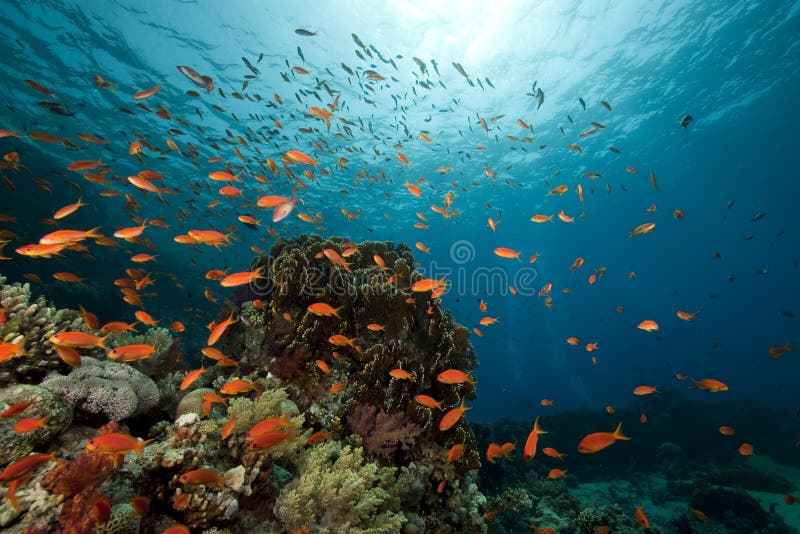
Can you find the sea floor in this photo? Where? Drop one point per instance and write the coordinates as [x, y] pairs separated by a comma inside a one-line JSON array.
[[649, 494]]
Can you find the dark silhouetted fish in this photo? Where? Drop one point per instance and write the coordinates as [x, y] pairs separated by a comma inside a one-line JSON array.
[[686, 120]]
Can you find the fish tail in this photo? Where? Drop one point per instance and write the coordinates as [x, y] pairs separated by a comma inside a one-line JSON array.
[[139, 447], [102, 342], [20, 345], [618, 433], [94, 233]]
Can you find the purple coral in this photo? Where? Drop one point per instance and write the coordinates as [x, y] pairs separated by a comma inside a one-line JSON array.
[[382, 433]]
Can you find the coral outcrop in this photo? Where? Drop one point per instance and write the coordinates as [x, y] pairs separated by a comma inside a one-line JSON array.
[[113, 390]]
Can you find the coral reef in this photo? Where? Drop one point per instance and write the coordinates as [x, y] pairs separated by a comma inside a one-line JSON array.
[[338, 490], [112, 390], [737, 510], [36, 321], [377, 461], [383, 433], [46, 404]]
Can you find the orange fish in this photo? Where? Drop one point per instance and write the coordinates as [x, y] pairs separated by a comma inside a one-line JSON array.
[[710, 384], [336, 388], [80, 340], [533, 440], [16, 409], [686, 316], [66, 237], [600, 440], [486, 321], [427, 284], [25, 466], [777, 352], [118, 326], [455, 376], [234, 387], [455, 452], [68, 210], [116, 443], [453, 416], [141, 95], [29, 424], [13, 349], [564, 217], [428, 402], [131, 353], [642, 229], [552, 453], [219, 330], [202, 477], [421, 246], [300, 157], [745, 449], [643, 418], [335, 258], [640, 518], [342, 341], [413, 189], [648, 326], [242, 278], [590, 347], [546, 402], [727, 431], [324, 310], [645, 390], [227, 429], [191, 376], [574, 341], [557, 473], [401, 374], [541, 218], [495, 450], [506, 253]]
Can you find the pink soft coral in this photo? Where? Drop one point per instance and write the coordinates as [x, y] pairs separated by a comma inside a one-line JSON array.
[[383, 434]]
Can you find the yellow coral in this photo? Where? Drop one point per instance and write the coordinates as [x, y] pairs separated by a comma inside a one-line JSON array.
[[339, 492]]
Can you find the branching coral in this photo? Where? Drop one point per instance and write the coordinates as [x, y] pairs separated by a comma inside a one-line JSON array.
[[339, 491], [98, 387]]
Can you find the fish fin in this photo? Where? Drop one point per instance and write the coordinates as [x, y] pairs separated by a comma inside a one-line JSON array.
[[618, 433]]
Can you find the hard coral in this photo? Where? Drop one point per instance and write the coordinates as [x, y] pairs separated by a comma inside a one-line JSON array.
[[382, 433], [36, 321], [109, 389]]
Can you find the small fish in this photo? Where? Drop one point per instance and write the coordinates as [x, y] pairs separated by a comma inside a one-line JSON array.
[[250, 66], [686, 120], [305, 33], [600, 440]]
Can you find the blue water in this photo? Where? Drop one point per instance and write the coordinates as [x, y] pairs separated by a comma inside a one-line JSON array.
[[732, 65]]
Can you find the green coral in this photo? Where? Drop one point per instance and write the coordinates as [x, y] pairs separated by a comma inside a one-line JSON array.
[[339, 491], [273, 402]]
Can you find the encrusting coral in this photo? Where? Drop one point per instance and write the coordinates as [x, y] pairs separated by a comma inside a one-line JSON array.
[[113, 390]]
